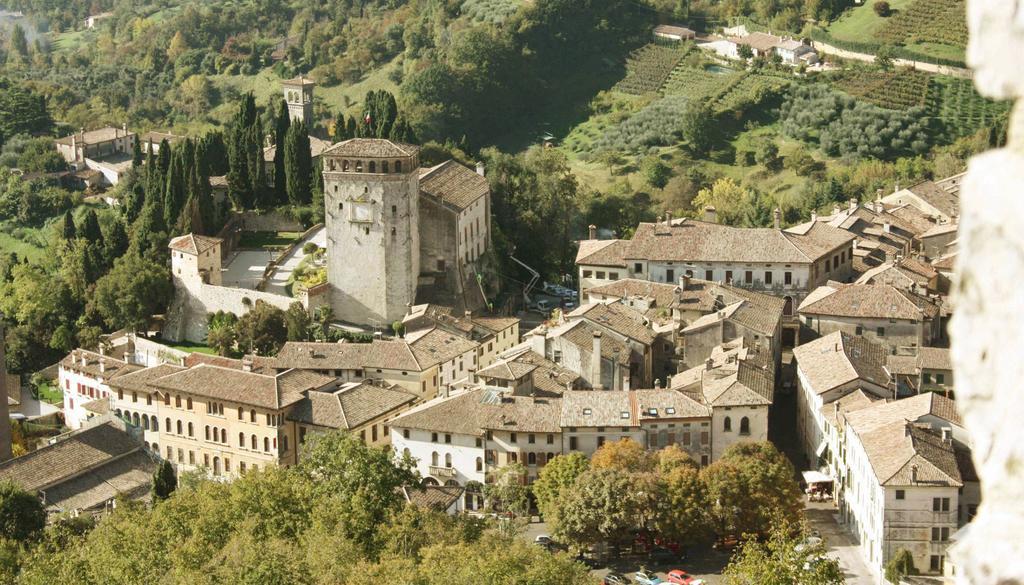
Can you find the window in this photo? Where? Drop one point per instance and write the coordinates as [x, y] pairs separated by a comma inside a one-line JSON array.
[[600, 442], [223, 436], [551, 439], [373, 433], [284, 443], [252, 415], [935, 564], [767, 277], [748, 277], [434, 459], [433, 437], [926, 378], [513, 438], [600, 274], [901, 494], [727, 424], [154, 423], [709, 275], [188, 403], [787, 278], [266, 444], [859, 330], [302, 435], [744, 426], [588, 273], [479, 464], [241, 439], [638, 267], [447, 439], [167, 424], [170, 453], [190, 433], [191, 457], [253, 442], [940, 534], [135, 396], [705, 437], [177, 401], [940, 378], [670, 275], [405, 433], [940, 504], [448, 460], [880, 331], [206, 432], [178, 426], [828, 265], [531, 459], [398, 166], [728, 276], [572, 443], [240, 413], [531, 438]]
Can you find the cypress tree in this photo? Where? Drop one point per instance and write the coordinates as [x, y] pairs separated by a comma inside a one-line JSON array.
[[174, 191], [257, 167], [165, 481], [240, 170], [136, 153], [69, 232], [318, 190], [298, 165], [340, 128], [351, 128], [203, 197], [282, 124], [115, 241], [90, 228]]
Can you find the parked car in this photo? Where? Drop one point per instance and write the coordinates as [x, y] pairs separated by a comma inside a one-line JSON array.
[[545, 541], [680, 577], [644, 578], [589, 562], [615, 579]]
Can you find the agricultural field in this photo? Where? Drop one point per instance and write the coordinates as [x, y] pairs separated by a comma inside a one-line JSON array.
[[654, 126], [748, 89], [492, 11], [927, 21], [699, 84], [896, 90], [648, 67], [960, 108], [861, 23]]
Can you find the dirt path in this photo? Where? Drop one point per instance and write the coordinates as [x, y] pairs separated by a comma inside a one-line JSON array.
[[919, 65]]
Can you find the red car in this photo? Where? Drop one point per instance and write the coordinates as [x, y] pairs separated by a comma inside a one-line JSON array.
[[680, 577]]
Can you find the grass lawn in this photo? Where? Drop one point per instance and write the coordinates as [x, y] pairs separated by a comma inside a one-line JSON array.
[[49, 393], [23, 249], [937, 50], [267, 240], [189, 347], [861, 23]]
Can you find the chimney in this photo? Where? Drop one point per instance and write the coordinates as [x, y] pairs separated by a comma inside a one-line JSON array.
[[777, 217], [896, 188], [913, 474], [657, 384], [539, 342], [468, 314], [592, 232], [947, 435], [102, 349], [124, 128], [709, 364], [247, 363], [710, 214], [595, 362], [887, 227], [814, 216], [103, 365], [853, 204], [481, 169], [668, 217], [684, 283], [446, 390]]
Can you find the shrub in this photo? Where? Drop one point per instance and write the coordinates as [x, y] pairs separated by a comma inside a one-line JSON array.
[[309, 248], [882, 8]]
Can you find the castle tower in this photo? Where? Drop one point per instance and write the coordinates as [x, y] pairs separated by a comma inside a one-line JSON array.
[[298, 94], [371, 195]]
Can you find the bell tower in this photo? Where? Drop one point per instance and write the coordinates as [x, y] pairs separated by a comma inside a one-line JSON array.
[[298, 94], [371, 199]]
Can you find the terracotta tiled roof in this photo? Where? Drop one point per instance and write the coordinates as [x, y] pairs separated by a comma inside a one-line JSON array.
[[663, 294], [300, 80], [688, 240], [874, 301], [129, 477], [945, 201], [453, 184], [602, 253], [618, 318], [653, 405], [474, 411], [87, 362], [94, 136], [897, 449], [934, 358], [237, 386], [581, 334], [912, 409], [139, 380], [667, 29], [72, 455], [392, 355], [839, 358], [947, 262], [193, 244], [856, 400], [350, 406], [506, 370], [597, 408], [371, 148], [549, 378], [433, 497], [439, 346]]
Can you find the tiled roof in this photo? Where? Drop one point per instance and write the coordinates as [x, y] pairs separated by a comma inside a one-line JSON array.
[[72, 455], [940, 229], [947, 262], [474, 411], [259, 364], [193, 244], [602, 253], [598, 408], [237, 386], [158, 137], [853, 401], [549, 378], [945, 201], [839, 358], [433, 497], [139, 380], [912, 409], [581, 334], [308, 355], [934, 358], [94, 136], [873, 301], [453, 184], [350, 406], [316, 147], [721, 387], [371, 148], [901, 365], [653, 405], [688, 240], [668, 29], [618, 318], [130, 476], [87, 362], [439, 346], [506, 370], [899, 448], [663, 294], [300, 80]]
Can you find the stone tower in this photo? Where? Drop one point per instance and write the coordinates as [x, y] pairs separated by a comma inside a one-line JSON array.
[[371, 195], [298, 94]]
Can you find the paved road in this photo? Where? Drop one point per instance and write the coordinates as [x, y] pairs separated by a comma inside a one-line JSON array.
[[840, 543], [919, 65]]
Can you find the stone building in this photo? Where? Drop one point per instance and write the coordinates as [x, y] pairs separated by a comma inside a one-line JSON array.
[[895, 318], [298, 95]]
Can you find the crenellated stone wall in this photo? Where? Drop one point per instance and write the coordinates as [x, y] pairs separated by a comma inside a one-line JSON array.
[[988, 327]]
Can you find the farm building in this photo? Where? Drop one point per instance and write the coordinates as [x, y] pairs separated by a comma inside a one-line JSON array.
[[673, 33]]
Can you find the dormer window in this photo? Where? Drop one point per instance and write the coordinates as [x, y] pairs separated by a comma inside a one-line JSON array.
[[625, 413], [670, 410], [587, 412], [650, 411]]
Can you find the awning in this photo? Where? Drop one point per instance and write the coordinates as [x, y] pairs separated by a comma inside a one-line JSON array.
[[816, 477], [821, 448]]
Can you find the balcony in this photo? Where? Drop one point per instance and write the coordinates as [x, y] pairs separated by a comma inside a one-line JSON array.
[[442, 471]]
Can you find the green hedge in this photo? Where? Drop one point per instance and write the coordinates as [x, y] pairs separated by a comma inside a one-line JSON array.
[[900, 52]]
